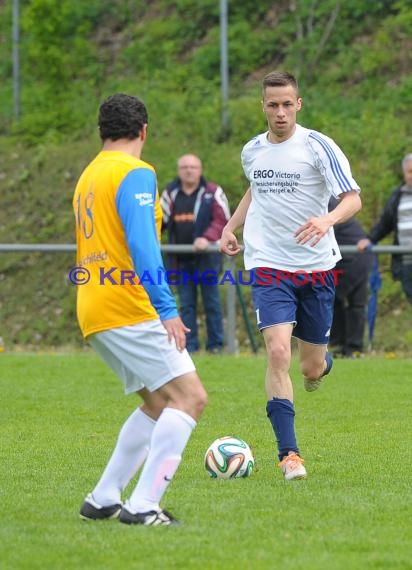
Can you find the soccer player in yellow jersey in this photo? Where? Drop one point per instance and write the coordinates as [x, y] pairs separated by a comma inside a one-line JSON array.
[[128, 315]]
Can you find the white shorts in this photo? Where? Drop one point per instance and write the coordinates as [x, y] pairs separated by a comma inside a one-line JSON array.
[[141, 355]]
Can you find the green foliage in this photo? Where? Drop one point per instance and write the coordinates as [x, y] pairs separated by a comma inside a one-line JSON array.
[[60, 63], [243, 56], [57, 47], [316, 32], [6, 46], [392, 45], [157, 43]]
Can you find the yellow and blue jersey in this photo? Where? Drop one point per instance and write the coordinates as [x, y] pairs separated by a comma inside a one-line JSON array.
[[118, 224]]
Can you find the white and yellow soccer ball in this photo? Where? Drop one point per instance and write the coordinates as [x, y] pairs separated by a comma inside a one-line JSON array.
[[228, 458]]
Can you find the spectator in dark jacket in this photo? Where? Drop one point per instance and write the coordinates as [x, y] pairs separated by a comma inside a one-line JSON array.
[[195, 212], [351, 293], [396, 218]]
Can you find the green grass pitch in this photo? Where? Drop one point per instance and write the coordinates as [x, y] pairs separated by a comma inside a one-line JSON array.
[[60, 416]]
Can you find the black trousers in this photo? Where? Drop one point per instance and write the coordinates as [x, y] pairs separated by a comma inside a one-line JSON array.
[[348, 326]]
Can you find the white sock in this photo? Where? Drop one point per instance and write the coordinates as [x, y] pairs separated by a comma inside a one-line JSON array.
[[129, 454], [170, 436]]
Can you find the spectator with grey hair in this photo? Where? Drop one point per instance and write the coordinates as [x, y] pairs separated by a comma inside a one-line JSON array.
[[396, 218], [195, 211]]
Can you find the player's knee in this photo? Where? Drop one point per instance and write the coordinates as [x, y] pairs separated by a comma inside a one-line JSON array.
[[278, 354], [201, 400], [193, 401], [196, 401], [192, 406], [312, 370]]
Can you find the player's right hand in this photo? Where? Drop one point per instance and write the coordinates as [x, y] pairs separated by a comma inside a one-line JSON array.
[[176, 330], [228, 243]]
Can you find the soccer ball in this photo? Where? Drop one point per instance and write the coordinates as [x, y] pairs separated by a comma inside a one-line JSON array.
[[229, 457]]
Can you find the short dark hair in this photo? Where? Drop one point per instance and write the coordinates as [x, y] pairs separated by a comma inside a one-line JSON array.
[[122, 117], [279, 79]]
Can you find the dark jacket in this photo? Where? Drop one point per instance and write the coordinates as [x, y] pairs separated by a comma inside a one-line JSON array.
[[387, 223], [211, 212], [349, 232], [355, 266]]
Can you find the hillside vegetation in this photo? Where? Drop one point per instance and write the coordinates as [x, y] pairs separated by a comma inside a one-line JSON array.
[[354, 64]]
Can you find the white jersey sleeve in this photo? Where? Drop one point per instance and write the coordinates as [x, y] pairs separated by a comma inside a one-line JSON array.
[[332, 164]]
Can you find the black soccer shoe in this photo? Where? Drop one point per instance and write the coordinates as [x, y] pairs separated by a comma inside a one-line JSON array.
[[92, 511], [150, 518]]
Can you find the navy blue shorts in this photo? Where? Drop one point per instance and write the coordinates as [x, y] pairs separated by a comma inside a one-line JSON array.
[[302, 299]]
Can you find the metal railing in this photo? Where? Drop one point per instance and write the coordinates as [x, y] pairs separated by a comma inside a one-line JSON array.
[[169, 248]]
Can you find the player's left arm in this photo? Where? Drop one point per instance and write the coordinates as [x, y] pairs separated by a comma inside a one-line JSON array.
[[336, 172], [135, 201], [349, 204], [315, 228]]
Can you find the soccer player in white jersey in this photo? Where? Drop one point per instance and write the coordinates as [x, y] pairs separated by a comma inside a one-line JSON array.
[[291, 248]]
